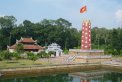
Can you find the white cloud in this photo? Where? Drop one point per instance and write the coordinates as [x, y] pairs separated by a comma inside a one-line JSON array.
[[119, 15]]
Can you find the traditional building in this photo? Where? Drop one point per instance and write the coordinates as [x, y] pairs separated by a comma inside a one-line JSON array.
[[28, 44], [55, 48]]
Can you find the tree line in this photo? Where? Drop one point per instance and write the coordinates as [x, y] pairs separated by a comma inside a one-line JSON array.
[[45, 32], [60, 31]]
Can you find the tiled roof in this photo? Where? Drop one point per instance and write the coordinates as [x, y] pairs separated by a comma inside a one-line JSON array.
[[26, 44], [27, 40], [32, 47], [27, 47], [12, 47]]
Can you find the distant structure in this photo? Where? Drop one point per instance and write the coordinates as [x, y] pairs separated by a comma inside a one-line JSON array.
[[86, 54], [29, 45], [86, 35], [55, 48]]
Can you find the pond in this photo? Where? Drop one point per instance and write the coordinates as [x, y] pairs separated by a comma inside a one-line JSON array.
[[86, 76]]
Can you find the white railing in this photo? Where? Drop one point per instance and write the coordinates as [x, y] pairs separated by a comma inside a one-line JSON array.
[[94, 57], [78, 50], [71, 58]]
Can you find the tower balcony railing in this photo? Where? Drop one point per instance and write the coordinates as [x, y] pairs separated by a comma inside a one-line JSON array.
[[79, 50], [94, 57]]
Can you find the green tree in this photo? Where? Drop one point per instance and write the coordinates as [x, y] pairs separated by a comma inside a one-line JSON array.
[[115, 41], [7, 23], [19, 48]]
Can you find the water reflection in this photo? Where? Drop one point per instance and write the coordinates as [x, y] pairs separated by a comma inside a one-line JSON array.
[[49, 78], [96, 76], [89, 76]]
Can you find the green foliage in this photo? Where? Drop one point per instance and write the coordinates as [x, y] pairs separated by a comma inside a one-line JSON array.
[[109, 51], [59, 31], [51, 53], [32, 56], [6, 54], [47, 55], [15, 55], [43, 54], [115, 52], [7, 23], [121, 52], [66, 51], [108, 39], [1, 56], [19, 48], [40, 55]]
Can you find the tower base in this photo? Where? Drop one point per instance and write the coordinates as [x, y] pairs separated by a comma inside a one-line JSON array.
[[88, 56]]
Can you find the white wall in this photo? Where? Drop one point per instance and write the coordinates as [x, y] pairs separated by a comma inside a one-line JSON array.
[[11, 50]]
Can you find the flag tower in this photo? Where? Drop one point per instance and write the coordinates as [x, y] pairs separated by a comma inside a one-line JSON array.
[[86, 54], [86, 35]]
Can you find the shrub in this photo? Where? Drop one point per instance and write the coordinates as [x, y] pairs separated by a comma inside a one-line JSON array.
[[32, 56], [66, 51], [40, 54], [47, 55], [7, 54], [115, 52], [120, 52], [51, 53], [1, 56], [109, 51], [15, 55], [43, 54]]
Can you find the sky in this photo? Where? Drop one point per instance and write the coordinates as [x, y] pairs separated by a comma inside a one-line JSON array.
[[101, 13]]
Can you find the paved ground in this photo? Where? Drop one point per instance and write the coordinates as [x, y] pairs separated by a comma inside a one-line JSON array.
[[64, 60], [57, 60], [116, 61]]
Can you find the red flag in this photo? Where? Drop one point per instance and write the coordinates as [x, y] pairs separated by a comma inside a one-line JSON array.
[[83, 9]]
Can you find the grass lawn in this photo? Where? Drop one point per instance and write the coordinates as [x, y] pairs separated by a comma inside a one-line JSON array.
[[30, 63], [20, 63]]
